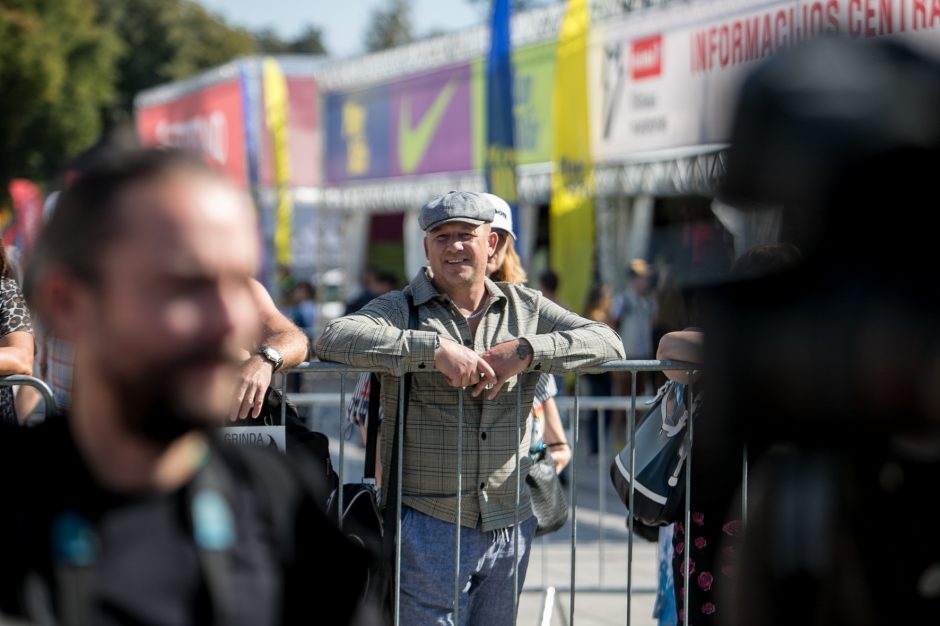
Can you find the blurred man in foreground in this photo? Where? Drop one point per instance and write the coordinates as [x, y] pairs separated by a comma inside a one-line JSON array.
[[128, 510]]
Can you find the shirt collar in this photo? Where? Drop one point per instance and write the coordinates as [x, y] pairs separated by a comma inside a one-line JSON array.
[[423, 290]]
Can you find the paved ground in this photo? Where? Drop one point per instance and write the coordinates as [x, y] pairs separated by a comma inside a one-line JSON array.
[[600, 549]]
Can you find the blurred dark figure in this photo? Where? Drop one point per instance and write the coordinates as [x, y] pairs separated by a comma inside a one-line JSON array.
[[385, 282], [829, 371], [368, 281], [548, 284], [301, 309], [634, 311], [597, 309]]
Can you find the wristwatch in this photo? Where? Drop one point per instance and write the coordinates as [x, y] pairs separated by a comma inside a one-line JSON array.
[[272, 356]]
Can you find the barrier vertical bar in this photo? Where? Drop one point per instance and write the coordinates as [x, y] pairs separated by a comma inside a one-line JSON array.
[[401, 463], [342, 449], [601, 455], [574, 496], [631, 426], [544, 561], [688, 510], [744, 487], [284, 400], [459, 505], [515, 526]]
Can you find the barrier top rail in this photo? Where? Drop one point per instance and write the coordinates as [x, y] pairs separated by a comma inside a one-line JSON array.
[[324, 367], [30, 381]]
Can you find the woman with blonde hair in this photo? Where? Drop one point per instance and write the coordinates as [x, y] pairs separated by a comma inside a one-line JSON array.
[[505, 266]]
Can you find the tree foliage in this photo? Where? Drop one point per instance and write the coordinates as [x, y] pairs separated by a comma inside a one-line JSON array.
[[166, 40], [389, 26], [308, 41], [57, 72], [69, 69]]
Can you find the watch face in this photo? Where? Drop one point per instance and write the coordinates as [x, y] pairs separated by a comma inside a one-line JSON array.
[[272, 355]]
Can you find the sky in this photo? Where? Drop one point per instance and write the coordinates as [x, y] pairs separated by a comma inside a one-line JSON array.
[[344, 22]]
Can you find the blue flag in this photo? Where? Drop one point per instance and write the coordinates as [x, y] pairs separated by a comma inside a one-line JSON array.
[[500, 158]]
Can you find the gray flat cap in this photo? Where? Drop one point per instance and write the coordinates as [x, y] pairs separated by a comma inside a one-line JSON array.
[[456, 206]]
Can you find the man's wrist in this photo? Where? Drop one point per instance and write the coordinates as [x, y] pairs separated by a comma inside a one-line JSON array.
[[260, 358]]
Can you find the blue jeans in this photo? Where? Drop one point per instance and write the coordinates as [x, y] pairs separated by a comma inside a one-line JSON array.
[[486, 572]]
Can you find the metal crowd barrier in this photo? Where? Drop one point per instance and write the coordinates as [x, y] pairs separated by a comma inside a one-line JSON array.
[[44, 390], [575, 404]]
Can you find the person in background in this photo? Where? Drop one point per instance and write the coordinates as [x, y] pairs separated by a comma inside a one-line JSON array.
[[369, 290], [506, 266], [633, 312], [548, 284], [597, 309], [303, 307], [385, 282]]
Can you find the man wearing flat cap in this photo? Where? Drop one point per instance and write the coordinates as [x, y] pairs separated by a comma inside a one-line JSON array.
[[485, 340]]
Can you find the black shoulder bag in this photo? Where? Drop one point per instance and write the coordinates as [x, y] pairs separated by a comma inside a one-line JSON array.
[[362, 519]]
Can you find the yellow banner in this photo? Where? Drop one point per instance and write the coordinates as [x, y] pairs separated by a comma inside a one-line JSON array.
[[276, 116], [571, 221]]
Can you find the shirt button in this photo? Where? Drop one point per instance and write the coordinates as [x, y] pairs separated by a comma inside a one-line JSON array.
[[468, 342], [483, 436], [482, 486]]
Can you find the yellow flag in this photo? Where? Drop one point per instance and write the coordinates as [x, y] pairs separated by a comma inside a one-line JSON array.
[[276, 117], [571, 215]]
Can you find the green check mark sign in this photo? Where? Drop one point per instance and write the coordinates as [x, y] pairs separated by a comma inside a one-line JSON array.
[[413, 142]]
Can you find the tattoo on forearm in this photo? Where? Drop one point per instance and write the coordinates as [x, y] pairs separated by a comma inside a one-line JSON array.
[[523, 351]]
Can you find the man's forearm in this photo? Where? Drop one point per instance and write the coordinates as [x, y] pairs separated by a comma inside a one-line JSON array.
[[566, 341], [564, 350], [376, 347]]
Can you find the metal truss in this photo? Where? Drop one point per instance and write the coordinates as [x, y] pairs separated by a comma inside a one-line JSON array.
[[696, 174], [398, 194]]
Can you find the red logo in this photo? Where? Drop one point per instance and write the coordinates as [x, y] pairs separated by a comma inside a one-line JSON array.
[[647, 57]]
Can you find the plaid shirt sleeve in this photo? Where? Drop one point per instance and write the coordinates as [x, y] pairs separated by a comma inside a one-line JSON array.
[[565, 341], [374, 338]]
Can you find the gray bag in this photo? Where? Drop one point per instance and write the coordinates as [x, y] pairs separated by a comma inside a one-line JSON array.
[[548, 496], [662, 446]]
